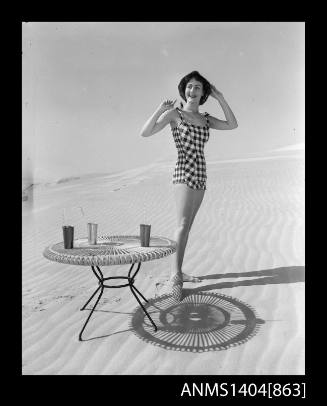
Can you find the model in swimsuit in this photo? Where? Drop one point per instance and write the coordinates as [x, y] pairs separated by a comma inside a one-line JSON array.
[[190, 130]]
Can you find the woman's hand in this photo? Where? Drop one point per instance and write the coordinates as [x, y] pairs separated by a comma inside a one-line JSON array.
[[216, 94], [158, 120], [166, 105]]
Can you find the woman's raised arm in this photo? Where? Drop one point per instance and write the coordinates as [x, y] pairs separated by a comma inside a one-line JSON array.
[[156, 124], [231, 121]]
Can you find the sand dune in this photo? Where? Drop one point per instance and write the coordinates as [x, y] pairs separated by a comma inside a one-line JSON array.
[[247, 245]]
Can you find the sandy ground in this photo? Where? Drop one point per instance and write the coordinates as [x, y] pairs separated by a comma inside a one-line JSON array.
[[246, 316]]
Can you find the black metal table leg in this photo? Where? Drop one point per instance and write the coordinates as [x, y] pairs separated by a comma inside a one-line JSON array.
[[83, 308], [149, 317], [91, 312], [130, 282]]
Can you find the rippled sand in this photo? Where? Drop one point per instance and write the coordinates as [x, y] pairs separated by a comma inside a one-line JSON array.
[[247, 245]]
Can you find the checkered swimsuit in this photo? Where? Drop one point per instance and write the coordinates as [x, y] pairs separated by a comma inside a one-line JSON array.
[[190, 167]]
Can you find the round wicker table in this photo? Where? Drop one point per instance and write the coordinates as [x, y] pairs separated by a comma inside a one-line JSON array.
[[111, 250]]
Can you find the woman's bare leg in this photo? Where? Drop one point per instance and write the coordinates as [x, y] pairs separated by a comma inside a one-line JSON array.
[[196, 205], [188, 202], [184, 204]]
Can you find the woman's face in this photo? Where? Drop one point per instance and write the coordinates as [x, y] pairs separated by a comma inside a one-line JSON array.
[[193, 91]]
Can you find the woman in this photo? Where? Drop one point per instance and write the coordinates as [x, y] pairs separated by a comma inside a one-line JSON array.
[[190, 130]]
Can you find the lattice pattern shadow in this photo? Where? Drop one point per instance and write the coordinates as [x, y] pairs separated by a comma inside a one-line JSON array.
[[200, 322]]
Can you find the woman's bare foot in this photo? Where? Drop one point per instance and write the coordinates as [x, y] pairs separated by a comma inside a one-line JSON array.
[[189, 278]]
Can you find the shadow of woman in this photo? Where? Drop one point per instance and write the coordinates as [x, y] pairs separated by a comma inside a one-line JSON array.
[[290, 274]]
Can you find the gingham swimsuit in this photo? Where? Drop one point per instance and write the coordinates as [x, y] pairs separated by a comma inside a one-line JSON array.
[[190, 167]]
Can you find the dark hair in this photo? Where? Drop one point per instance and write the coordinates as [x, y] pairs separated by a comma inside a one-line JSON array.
[[195, 75]]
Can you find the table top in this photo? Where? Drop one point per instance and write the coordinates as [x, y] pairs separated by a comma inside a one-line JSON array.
[[110, 250]]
